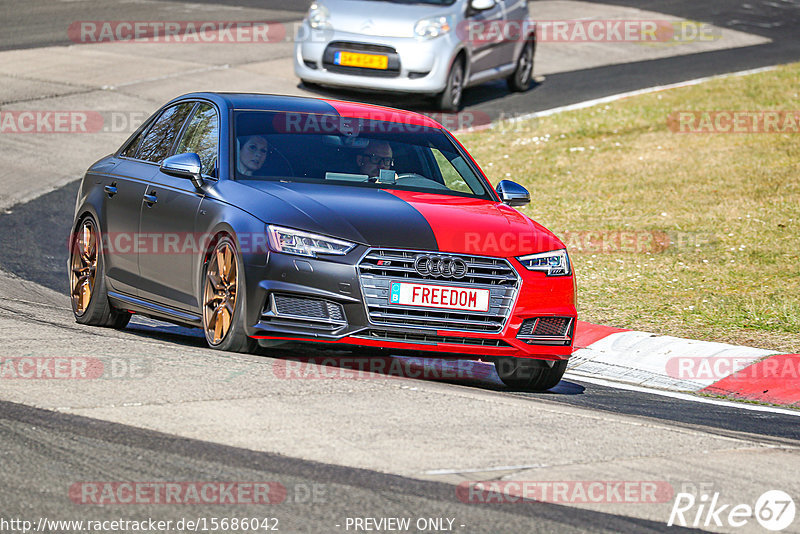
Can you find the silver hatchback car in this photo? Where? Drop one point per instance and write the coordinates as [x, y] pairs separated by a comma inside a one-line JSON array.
[[435, 47]]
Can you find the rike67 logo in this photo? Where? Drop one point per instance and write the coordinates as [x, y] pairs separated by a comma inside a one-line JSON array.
[[774, 510]]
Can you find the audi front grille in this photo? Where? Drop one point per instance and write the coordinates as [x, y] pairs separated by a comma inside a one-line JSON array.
[[380, 267]]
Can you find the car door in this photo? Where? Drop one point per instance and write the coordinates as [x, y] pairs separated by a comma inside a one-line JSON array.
[[168, 212], [518, 24], [123, 188], [487, 48]]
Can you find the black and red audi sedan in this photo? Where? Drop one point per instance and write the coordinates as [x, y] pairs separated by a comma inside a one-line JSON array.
[[269, 219]]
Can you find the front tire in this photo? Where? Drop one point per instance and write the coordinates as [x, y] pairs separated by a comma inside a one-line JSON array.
[[529, 375], [87, 279], [520, 80], [450, 98], [223, 299]]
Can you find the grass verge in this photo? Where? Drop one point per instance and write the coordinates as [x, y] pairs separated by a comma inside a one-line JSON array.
[[687, 234]]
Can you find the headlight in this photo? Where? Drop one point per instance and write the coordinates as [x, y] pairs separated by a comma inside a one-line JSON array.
[[432, 28], [555, 263], [319, 17], [296, 242]]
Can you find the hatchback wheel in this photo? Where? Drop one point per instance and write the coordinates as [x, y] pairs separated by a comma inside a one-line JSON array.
[[450, 98], [520, 80], [223, 300], [87, 281], [529, 375]]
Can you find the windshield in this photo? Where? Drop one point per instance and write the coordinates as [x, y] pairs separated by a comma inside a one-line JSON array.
[[302, 147]]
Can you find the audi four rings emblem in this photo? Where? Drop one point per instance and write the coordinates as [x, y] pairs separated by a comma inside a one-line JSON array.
[[439, 266]]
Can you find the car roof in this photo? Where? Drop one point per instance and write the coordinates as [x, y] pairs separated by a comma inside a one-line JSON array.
[[300, 104]]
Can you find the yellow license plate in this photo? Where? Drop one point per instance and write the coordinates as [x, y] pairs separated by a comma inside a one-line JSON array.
[[365, 61]]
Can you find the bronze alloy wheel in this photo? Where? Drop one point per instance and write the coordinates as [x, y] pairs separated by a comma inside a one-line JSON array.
[[84, 267], [219, 295]]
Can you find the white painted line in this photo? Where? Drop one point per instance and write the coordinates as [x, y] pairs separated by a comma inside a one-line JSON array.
[[613, 98], [681, 396], [656, 89], [485, 469]]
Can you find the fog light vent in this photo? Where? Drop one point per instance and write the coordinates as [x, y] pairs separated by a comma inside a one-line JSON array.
[[307, 308], [547, 330]]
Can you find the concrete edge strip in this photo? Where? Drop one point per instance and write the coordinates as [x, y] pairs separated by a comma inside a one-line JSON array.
[[614, 98], [678, 364]]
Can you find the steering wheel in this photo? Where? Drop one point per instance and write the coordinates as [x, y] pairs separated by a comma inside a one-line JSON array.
[[414, 179]]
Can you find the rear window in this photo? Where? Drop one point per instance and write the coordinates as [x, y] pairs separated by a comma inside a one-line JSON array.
[[357, 152]]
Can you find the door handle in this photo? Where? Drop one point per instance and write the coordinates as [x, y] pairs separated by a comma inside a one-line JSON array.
[[111, 190], [150, 199]]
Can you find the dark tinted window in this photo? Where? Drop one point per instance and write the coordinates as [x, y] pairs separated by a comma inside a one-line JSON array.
[[159, 139], [202, 138], [339, 151], [130, 150]]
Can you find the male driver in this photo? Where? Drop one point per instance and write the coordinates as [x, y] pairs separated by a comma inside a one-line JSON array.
[[376, 156]]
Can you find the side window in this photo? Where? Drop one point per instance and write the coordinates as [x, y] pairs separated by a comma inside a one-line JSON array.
[[202, 138], [130, 150], [452, 177], [159, 139]]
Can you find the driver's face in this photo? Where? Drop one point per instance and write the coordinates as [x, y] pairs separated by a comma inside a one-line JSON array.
[[375, 158], [253, 153]]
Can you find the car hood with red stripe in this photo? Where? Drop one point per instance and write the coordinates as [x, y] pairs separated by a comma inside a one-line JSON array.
[[397, 219], [466, 225]]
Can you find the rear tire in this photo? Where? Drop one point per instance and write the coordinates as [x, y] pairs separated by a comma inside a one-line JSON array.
[[450, 99], [529, 375], [87, 279], [520, 80], [223, 299]]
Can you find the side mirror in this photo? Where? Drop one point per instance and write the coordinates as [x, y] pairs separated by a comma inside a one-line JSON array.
[[482, 5], [512, 193], [186, 165]]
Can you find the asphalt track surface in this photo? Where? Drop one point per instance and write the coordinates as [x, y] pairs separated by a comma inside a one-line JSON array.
[[778, 20], [63, 449], [44, 224], [43, 452]]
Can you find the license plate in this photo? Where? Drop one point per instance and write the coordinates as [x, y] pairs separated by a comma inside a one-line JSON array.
[[365, 61], [427, 296]]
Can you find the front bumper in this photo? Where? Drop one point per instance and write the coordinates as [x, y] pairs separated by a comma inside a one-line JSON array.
[[423, 65], [334, 311]]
